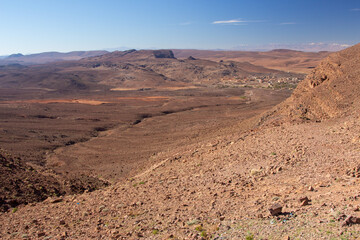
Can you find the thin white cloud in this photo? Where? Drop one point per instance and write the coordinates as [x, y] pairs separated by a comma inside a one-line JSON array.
[[288, 23], [236, 22], [329, 44], [355, 9], [228, 21]]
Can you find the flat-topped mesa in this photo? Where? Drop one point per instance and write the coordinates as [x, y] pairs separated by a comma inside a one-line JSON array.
[[163, 54], [331, 90]]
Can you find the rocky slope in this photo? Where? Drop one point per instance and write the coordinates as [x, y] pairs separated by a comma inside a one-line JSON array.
[[22, 183], [331, 90]]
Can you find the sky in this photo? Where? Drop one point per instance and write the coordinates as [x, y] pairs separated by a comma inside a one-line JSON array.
[[32, 26]]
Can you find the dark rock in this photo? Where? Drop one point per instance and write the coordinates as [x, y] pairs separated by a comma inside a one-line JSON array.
[[163, 54], [351, 220], [275, 209]]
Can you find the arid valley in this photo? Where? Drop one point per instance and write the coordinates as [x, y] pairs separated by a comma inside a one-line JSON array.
[[146, 144]]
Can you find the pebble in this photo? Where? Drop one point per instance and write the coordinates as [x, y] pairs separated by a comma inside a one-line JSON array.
[[304, 201], [25, 236]]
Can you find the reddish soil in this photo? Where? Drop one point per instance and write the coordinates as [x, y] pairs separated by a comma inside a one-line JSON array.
[[43, 101]]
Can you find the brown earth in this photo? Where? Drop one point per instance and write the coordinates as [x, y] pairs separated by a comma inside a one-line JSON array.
[[200, 166]]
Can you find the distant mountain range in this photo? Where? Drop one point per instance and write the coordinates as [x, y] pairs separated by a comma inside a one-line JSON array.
[[280, 59], [47, 57]]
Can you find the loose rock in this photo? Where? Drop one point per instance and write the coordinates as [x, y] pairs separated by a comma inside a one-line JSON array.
[[275, 209], [304, 201]]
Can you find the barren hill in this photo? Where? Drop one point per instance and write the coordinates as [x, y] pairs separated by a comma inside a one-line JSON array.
[[281, 59], [130, 67]]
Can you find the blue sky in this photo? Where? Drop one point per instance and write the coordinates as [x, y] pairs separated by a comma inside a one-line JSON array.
[[31, 26]]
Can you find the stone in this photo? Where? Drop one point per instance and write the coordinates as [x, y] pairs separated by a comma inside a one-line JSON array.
[[56, 200], [275, 209], [311, 189], [304, 201], [351, 220]]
